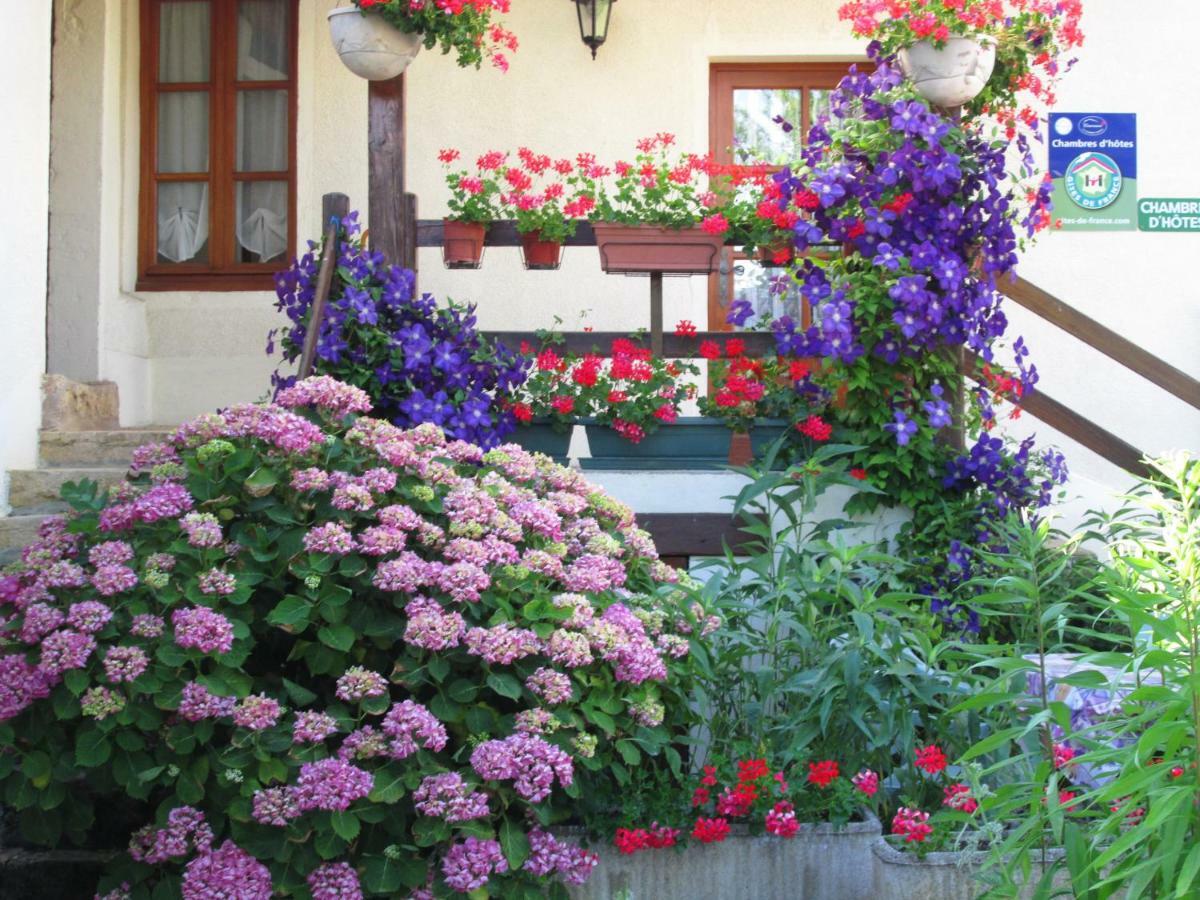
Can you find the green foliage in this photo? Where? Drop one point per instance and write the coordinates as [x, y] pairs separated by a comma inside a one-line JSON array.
[[301, 616], [822, 654]]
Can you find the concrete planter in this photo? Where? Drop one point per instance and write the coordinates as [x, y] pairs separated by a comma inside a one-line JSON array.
[[950, 75], [61, 874], [942, 876], [820, 863], [369, 46]]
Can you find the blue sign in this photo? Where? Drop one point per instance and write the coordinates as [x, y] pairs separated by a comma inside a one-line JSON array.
[[1093, 162]]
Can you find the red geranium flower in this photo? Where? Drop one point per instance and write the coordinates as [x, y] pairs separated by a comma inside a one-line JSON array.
[[710, 350], [685, 328], [752, 770], [823, 773], [931, 759], [860, 474], [710, 831], [816, 428]]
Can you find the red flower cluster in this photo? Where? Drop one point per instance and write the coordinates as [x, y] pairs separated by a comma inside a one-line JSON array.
[[931, 759], [913, 824], [823, 773], [866, 782], [710, 831], [656, 837], [816, 428], [781, 820], [958, 796]]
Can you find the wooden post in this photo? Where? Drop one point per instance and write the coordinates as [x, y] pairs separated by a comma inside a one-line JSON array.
[[656, 313], [334, 207], [385, 143]]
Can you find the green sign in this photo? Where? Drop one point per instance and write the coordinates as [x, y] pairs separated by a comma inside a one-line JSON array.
[[1168, 214]]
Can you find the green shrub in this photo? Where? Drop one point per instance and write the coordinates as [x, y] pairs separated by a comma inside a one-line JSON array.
[[315, 650]]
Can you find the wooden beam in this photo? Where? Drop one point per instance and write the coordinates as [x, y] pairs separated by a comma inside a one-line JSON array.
[[385, 145], [1107, 341], [1062, 418]]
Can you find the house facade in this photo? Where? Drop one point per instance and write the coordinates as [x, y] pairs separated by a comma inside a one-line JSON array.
[[164, 156]]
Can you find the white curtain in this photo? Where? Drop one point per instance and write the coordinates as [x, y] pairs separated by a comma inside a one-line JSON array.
[[262, 141], [184, 53], [261, 207]]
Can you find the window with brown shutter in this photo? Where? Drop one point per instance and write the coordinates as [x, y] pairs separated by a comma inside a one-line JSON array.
[[217, 210]]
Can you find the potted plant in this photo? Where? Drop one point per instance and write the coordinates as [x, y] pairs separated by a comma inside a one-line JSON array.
[[549, 403], [544, 199], [652, 217], [623, 400], [971, 52], [475, 202], [378, 39], [739, 820]]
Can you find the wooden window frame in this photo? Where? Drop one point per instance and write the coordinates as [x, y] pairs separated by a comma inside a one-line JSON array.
[[724, 79], [221, 272]]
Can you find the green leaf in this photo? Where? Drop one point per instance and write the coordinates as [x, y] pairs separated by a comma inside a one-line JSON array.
[[389, 786], [439, 668], [345, 825], [92, 747], [462, 691], [505, 685], [337, 637], [291, 614], [37, 768], [514, 843], [382, 875], [77, 681], [629, 752], [261, 483], [301, 696]]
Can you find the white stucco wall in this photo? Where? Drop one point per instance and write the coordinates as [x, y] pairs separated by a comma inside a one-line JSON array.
[[1141, 285], [205, 350], [24, 178]]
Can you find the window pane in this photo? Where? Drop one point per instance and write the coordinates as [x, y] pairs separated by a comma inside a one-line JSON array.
[[818, 104], [182, 220], [263, 40], [183, 131], [262, 226], [757, 137], [770, 290], [262, 121], [184, 40]]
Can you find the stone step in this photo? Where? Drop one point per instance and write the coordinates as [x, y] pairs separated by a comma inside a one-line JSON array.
[[15, 533], [39, 490], [96, 448]]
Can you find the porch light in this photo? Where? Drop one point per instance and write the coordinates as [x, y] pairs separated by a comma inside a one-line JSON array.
[[593, 21]]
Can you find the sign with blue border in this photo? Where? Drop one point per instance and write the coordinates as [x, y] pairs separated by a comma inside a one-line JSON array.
[[1093, 163]]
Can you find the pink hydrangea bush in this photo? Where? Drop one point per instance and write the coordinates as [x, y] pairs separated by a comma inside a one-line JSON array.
[[329, 657]]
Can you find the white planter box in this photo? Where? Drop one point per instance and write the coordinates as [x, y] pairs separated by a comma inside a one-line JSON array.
[[819, 863]]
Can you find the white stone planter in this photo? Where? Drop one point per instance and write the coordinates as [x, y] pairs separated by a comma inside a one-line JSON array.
[[952, 74], [819, 863], [943, 876], [370, 47]]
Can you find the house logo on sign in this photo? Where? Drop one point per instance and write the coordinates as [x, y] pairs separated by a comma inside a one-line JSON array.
[[1093, 180]]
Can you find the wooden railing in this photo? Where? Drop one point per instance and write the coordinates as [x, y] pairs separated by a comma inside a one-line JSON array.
[[702, 534]]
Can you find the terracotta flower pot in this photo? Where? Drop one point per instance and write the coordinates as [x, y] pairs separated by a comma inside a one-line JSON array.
[[462, 244], [950, 75], [639, 249], [540, 254], [767, 255]]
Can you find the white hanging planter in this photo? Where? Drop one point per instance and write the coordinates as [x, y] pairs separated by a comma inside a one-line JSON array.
[[369, 46], [952, 74]]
